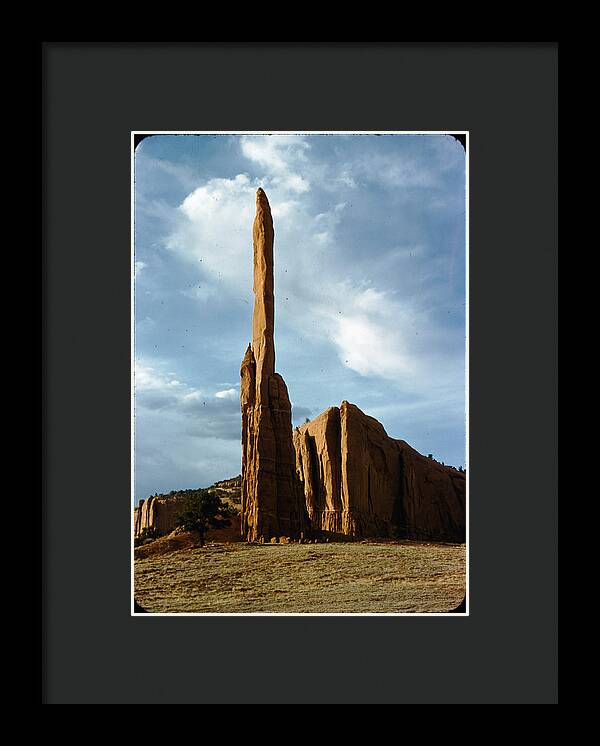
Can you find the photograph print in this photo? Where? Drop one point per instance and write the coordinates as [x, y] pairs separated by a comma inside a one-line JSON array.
[[299, 373]]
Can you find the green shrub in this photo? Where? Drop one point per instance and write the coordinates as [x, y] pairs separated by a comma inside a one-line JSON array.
[[203, 510]]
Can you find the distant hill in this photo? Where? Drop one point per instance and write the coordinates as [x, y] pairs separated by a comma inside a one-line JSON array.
[[156, 516]]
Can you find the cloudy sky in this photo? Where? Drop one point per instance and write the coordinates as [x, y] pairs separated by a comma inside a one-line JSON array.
[[369, 290]]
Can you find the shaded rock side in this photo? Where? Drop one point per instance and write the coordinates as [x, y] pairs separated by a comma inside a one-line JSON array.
[[272, 498], [433, 504], [359, 481]]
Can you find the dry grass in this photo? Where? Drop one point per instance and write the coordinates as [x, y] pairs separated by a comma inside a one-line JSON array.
[[317, 578]]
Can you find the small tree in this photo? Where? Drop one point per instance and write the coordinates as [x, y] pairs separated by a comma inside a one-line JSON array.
[[203, 510]]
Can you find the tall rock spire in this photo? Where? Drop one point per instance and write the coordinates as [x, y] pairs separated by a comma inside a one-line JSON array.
[[263, 320], [272, 497]]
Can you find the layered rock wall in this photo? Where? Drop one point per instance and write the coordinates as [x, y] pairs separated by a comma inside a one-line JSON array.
[[157, 513], [359, 481]]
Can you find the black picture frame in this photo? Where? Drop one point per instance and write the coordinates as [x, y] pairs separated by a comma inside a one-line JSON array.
[[505, 95]]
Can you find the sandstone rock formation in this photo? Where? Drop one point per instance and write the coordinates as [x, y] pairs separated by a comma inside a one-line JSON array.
[[340, 473], [159, 512], [359, 481], [272, 500]]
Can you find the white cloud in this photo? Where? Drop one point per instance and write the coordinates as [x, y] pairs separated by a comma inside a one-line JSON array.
[[148, 378], [214, 230], [281, 156], [408, 171], [228, 394], [367, 348], [213, 413], [215, 195], [370, 331], [325, 223]]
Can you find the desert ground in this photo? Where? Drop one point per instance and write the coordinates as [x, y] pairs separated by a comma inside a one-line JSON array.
[[235, 577]]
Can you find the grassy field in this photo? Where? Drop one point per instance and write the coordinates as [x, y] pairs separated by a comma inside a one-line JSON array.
[[317, 578]]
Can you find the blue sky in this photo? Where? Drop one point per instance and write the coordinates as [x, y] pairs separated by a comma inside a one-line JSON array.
[[369, 290]]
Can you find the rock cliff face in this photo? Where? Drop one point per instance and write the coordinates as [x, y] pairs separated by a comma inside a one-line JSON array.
[[157, 513], [272, 499], [359, 481]]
